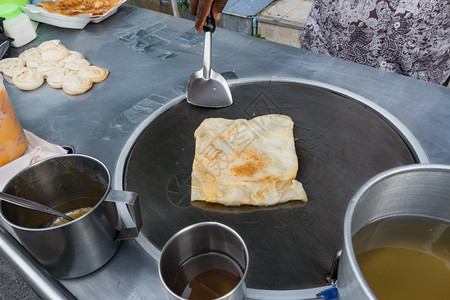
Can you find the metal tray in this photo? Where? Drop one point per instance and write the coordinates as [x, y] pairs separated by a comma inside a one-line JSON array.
[[343, 140]]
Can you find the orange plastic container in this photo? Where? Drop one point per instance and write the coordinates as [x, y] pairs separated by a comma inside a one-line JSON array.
[[13, 142]]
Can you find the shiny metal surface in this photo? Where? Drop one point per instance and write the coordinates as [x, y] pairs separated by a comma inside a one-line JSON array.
[[32, 205], [421, 190], [150, 56], [66, 182], [206, 87], [132, 203], [29, 268], [198, 239], [212, 92]]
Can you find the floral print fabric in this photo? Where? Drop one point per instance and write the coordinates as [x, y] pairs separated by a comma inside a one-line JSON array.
[[410, 37]]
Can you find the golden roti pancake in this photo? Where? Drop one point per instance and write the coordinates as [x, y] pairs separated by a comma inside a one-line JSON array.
[[78, 7], [240, 162]]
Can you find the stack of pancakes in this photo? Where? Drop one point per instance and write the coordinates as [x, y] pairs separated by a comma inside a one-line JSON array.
[[78, 7]]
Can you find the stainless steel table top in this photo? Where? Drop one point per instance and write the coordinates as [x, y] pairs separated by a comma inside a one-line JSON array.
[[150, 56]]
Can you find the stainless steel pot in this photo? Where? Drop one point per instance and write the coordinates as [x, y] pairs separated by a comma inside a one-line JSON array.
[[198, 239], [408, 190], [66, 183]]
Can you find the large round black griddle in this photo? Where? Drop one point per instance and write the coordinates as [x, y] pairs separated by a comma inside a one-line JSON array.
[[341, 144]]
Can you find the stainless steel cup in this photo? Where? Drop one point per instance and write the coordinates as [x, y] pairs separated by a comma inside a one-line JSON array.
[[199, 239], [421, 190], [66, 183]]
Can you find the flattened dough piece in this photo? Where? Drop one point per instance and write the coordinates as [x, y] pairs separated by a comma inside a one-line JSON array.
[[47, 67], [54, 53], [30, 54], [10, 71], [34, 62], [28, 79], [72, 55], [74, 84], [77, 64], [94, 73], [56, 77], [50, 43], [11, 61], [240, 162]]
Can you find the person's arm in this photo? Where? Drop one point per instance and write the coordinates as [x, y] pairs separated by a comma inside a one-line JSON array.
[[202, 8]]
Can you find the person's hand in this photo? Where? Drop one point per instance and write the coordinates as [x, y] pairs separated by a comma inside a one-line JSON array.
[[202, 8]]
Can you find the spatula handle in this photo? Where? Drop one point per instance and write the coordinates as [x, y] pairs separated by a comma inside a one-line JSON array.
[[207, 55], [210, 23], [209, 28]]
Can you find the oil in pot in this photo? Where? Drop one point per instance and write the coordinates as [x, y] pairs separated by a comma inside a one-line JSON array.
[[405, 257]]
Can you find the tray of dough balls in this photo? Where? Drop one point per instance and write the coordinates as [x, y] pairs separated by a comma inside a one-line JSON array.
[[54, 63]]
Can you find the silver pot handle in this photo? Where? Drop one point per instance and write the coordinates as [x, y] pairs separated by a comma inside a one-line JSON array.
[[332, 277], [131, 199]]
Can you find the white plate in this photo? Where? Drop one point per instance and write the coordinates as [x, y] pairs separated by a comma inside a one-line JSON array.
[[39, 14], [98, 19]]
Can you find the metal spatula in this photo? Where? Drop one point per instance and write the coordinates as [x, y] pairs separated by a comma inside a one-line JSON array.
[[32, 205], [205, 87]]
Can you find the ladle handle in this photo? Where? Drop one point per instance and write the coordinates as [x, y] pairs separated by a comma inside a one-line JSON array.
[[32, 205]]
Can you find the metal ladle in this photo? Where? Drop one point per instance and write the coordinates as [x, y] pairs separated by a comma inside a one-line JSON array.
[[32, 205], [205, 87]]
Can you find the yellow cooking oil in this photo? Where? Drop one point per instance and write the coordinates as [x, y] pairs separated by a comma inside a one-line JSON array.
[[74, 214], [405, 257]]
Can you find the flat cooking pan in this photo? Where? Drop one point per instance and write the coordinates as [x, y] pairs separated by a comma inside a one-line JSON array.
[[342, 140]]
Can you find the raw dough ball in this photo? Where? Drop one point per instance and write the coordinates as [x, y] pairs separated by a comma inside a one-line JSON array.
[[75, 84], [10, 71], [28, 79], [47, 67], [56, 77], [94, 73], [72, 55], [51, 60], [12, 61], [76, 64], [31, 53], [50, 43], [54, 53], [34, 63]]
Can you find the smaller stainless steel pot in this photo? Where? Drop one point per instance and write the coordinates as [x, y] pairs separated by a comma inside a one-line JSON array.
[[66, 183], [408, 190], [199, 239]]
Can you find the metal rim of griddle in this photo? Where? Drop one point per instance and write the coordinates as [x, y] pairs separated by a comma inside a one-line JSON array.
[[118, 178]]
